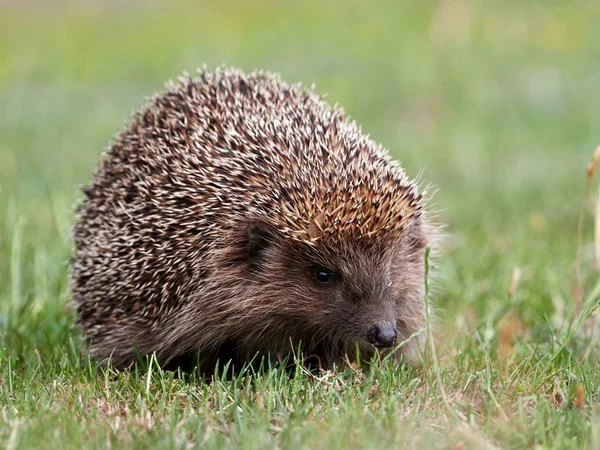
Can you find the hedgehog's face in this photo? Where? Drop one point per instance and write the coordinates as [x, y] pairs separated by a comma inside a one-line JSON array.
[[365, 293]]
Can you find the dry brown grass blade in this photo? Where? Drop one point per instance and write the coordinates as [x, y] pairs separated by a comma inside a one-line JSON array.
[[514, 282], [578, 284], [506, 334], [593, 164], [507, 327], [579, 397], [597, 231]]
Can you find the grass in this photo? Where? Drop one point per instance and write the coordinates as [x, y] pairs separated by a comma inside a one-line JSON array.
[[497, 101]]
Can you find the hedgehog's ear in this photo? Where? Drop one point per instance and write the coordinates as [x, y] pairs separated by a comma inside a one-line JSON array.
[[259, 238]]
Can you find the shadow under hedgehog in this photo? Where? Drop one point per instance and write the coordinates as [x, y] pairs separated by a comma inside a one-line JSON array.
[[237, 215]]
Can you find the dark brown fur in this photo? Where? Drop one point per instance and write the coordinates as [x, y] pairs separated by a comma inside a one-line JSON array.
[[208, 216]]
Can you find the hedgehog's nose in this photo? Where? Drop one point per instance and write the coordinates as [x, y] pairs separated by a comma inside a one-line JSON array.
[[382, 334]]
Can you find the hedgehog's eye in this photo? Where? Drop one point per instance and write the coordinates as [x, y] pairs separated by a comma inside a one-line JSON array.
[[324, 276]]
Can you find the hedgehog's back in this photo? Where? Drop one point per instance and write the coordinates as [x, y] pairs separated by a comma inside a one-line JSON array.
[[199, 159]]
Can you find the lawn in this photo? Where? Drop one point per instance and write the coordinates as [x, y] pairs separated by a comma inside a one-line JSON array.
[[496, 103]]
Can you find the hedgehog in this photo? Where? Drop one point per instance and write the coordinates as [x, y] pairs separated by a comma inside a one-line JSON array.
[[236, 216]]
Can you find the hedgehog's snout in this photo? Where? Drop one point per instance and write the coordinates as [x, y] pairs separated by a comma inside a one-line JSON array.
[[382, 334]]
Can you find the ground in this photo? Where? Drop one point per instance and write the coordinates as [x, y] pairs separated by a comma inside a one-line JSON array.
[[496, 104]]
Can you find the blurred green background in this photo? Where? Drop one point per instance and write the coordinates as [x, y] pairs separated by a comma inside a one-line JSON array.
[[497, 104]]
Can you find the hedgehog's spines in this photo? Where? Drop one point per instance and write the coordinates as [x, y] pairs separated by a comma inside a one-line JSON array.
[[196, 164]]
